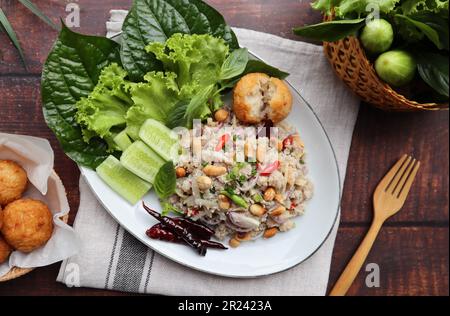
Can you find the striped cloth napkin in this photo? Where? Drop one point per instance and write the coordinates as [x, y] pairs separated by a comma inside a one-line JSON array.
[[110, 258]]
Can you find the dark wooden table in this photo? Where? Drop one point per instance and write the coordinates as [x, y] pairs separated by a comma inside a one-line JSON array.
[[412, 250]]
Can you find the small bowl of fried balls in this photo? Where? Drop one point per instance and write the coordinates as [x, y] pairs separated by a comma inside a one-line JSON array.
[[25, 224]]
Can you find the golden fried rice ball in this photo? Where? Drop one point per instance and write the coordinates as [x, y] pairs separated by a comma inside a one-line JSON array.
[[13, 181], [258, 97], [27, 224], [5, 250]]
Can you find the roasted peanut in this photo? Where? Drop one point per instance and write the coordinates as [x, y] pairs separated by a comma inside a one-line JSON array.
[[196, 147], [243, 236], [221, 115], [234, 243], [180, 172], [214, 171], [249, 150], [257, 210], [224, 202], [204, 183], [269, 194], [280, 146], [279, 198], [270, 232], [261, 153], [277, 211]]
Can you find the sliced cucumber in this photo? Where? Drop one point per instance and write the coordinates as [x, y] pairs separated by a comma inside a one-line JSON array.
[[122, 140], [121, 180], [161, 139], [142, 161]]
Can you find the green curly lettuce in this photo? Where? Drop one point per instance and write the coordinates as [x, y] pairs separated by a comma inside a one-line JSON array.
[[361, 8], [348, 9], [196, 59], [103, 112], [411, 7], [193, 66], [154, 98]]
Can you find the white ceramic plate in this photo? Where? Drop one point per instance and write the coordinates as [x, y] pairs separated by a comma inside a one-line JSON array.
[[260, 257]]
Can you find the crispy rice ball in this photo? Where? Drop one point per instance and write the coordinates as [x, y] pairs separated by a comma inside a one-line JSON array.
[[27, 224], [258, 97], [13, 181], [1, 218], [5, 250]]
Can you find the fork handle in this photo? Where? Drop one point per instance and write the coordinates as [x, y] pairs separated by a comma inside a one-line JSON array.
[[351, 270]]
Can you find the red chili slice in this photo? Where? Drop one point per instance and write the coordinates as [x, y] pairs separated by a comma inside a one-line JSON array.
[[288, 141], [222, 141], [269, 169]]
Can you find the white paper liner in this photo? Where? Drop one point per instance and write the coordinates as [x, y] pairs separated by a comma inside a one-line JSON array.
[[35, 155]]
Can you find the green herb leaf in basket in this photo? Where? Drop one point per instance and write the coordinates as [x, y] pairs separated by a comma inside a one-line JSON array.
[[433, 68], [330, 31]]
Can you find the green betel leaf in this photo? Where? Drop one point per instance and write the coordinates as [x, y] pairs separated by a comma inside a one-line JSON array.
[[156, 20], [165, 181], [330, 31], [260, 66], [255, 66], [70, 73], [434, 68]]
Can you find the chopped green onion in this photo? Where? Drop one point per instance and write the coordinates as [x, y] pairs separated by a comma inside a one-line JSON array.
[[257, 198], [239, 201]]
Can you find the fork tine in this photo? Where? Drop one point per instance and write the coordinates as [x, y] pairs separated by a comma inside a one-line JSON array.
[[394, 174], [387, 179], [399, 185], [407, 186]]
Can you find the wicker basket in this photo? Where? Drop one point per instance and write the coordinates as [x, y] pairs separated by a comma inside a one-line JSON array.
[[348, 59]]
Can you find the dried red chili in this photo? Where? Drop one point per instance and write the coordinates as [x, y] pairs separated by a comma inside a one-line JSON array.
[[158, 231], [178, 230], [199, 230], [182, 230]]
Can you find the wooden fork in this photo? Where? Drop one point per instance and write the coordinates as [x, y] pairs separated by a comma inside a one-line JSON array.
[[388, 199]]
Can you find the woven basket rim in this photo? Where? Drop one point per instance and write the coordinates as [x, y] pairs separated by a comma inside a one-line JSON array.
[[390, 90], [386, 87], [17, 272]]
